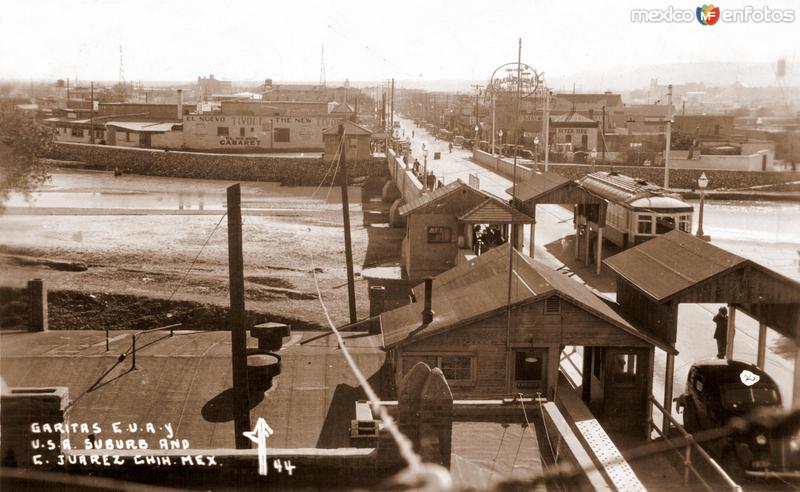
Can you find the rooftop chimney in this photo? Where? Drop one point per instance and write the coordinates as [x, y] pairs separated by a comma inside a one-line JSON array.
[[180, 104], [427, 313]]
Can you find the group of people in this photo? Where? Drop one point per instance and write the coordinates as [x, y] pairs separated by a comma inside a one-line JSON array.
[[486, 237]]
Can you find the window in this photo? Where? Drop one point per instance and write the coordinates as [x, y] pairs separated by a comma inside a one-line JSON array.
[[241, 131], [127, 136], [456, 367], [222, 131], [252, 129], [529, 367], [352, 142], [685, 223], [282, 135], [439, 234], [665, 224], [552, 305], [77, 132], [585, 141], [625, 369], [645, 224], [568, 138], [99, 134]]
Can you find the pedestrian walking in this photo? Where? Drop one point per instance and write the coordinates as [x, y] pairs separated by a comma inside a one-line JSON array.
[[450, 146], [721, 332], [412, 133]]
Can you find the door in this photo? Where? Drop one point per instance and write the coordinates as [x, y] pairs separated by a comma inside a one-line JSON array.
[[530, 371], [625, 389]]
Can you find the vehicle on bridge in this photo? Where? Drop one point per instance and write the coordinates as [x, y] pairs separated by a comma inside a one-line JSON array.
[[637, 209], [718, 390]]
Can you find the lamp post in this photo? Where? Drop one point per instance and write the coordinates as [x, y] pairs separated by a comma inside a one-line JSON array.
[[702, 182], [500, 133], [477, 129], [425, 169], [594, 158], [536, 148]]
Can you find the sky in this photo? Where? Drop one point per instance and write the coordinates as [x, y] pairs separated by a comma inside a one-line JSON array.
[[363, 40]]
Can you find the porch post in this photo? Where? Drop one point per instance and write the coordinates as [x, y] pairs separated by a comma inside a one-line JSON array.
[[762, 345], [519, 237], [599, 248], [468, 236], [796, 384], [670, 374], [531, 241], [587, 236], [731, 331]]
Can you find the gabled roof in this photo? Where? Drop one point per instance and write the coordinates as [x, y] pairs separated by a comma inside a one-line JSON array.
[[492, 211], [343, 108], [668, 264], [479, 288], [539, 184], [350, 128], [433, 196]]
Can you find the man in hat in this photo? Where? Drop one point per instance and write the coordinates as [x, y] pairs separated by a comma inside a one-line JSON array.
[[721, 333]]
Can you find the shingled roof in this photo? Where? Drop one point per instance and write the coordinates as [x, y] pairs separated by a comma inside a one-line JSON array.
[[492, 210], [479, 288]]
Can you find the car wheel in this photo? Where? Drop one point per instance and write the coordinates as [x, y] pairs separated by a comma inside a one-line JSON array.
[[730, 463]]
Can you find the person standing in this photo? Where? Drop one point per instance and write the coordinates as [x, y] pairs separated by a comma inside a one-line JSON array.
[[721, 332]]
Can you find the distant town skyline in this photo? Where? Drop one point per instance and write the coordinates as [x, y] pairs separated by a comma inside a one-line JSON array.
[[419, 41]]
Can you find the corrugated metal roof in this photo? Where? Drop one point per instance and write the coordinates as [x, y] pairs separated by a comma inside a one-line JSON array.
[[480, 286], [539, 184], [493, 211], [668, 264]]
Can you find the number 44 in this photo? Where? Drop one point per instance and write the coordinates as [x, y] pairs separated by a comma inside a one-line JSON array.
[[287, 464]]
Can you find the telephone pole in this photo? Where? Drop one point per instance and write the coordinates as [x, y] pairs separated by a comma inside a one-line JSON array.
[[669, 136], [348, 248], [237, 319], [91, 117], [477, 94]]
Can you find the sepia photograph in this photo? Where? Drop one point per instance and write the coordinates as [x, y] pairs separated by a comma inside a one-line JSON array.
[[520, 245]]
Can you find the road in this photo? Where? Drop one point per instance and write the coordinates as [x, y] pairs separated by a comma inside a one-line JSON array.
[[695, 326]]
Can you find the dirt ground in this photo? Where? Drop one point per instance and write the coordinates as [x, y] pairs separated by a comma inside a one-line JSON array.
[[132, 260]]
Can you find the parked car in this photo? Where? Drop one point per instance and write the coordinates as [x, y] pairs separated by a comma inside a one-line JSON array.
[[484, 146], [720, 389], [459, 140], [468, 143]]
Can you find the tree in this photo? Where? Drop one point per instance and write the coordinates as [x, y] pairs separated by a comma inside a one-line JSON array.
[[23, 143]]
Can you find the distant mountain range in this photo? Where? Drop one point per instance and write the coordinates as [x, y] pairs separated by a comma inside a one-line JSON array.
[[627, 78]]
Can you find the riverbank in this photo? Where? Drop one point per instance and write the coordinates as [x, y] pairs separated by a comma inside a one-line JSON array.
[[298, 170], [137, 236]]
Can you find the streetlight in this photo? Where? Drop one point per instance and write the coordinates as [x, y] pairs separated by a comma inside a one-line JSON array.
[[477, 129], [536, 148], [500, 133], [702, 182], [425, 169], [594, 158]]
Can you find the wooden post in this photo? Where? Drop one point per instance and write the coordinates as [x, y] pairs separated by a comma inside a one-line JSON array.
[[348, 249], [762, 345], [37, 293], [237, 319], [586, 377], [599, 249], [796, 384], [533, 231], [669, 376], [731, 331]]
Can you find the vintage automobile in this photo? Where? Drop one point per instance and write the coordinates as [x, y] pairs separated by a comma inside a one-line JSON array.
[[720, 389]]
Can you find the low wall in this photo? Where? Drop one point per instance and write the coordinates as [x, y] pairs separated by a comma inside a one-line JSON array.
[[678, 178], [290, 171], [410, 187]]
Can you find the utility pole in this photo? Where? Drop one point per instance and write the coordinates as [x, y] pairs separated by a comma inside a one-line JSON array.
[[604, 134], [669, 136], [237, 319], [546, 129], [67, 105], [512, 229], [91, 117], [348, 249], [477, 94], [391, 112]]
